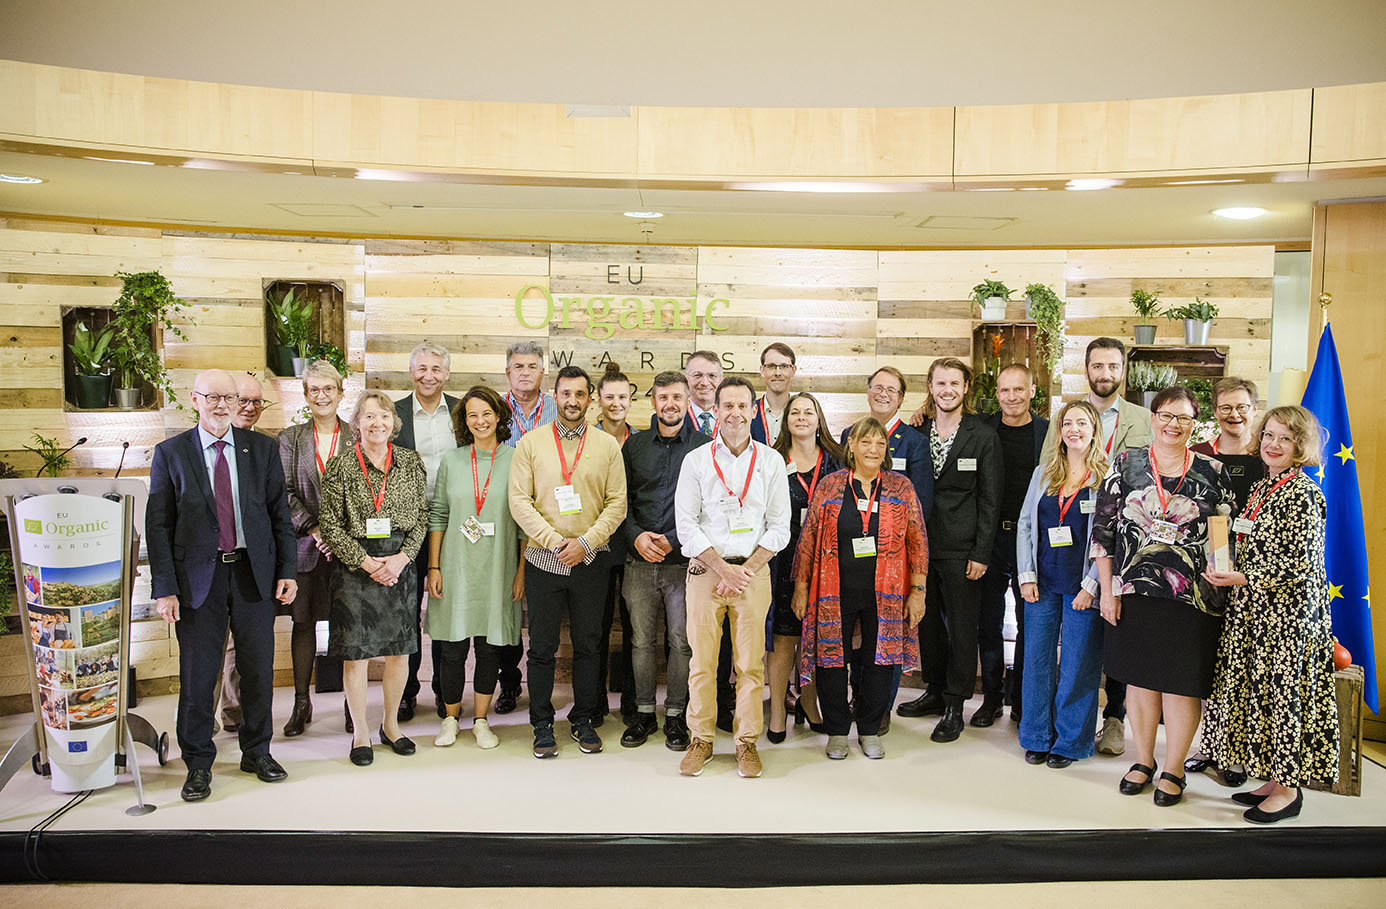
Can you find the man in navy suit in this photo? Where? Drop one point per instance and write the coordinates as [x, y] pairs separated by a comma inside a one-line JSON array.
[[221, 550], [777, 368]]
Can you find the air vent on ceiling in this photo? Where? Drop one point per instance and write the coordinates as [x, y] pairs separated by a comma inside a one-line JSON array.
[[323, 210], [960, 222]]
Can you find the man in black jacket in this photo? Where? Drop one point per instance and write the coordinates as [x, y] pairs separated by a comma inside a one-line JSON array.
[[962, 529], [655, 565]]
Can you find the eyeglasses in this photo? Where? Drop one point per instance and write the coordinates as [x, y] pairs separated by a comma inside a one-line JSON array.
[[777, 367], [214, 400], [1228, 409], [883, 390], [257, 403], [319, 391], [1269, 436], [1182, 419]]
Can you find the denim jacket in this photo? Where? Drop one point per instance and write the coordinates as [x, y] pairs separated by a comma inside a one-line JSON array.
[[1027, 536]]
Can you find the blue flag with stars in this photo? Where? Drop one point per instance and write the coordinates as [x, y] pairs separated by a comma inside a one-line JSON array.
[[1346, 550]]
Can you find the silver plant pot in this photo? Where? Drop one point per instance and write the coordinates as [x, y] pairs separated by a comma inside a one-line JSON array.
[[1196, 332], [300, 363], [1148, 398], [1145, 334], [127, 398]]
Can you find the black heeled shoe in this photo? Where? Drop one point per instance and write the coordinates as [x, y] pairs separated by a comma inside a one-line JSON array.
[[1130, 787], [1165, 799], [776, 737], [800, 717], [1257, 816], [401, 745]]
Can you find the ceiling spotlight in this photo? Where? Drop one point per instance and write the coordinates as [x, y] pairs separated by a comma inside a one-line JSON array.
[[1091, 183], [644, 215], [1240, 213], [19, 178]]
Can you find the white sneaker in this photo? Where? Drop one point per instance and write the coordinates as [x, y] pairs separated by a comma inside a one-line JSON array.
[[1112, 738], [485, 738], [448, 734]]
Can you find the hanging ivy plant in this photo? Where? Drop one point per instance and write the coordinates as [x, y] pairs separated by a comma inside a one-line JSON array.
[[146, 299]]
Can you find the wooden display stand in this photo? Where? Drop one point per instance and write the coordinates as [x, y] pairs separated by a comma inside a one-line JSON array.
[[1348, 686]]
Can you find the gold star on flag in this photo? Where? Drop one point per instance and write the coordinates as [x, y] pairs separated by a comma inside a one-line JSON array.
[[1345, 453], [1335, 591], [1368, 597], [1320, 473]]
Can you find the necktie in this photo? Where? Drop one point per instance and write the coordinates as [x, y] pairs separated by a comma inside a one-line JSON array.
[[226, 506], [705, 423]]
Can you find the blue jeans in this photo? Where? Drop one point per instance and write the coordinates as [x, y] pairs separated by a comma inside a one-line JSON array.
[[1059, 689]]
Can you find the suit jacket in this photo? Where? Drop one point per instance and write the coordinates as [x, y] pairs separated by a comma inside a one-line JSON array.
[[181, 527], [909, 445], [1132, 431], [1039, 425], [404, 409], [967, 503], [304, 483], [757, 427]]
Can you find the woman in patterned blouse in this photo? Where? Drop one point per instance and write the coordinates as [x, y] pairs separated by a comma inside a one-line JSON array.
[[1149, 539]]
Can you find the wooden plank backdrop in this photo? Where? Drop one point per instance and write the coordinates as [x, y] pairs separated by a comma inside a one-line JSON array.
[[845, 312]]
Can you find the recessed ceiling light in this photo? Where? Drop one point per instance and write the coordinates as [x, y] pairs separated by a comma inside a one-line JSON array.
[[1086, 183], [119, 160], [1240, 213], [645, 215], [19, 178]]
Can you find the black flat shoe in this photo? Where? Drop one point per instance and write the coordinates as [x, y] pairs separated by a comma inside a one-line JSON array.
[[362, 755], [264, 767], [1130, 787], [1249, 798], [1058, 761], [197, 786], [1197, 765], [775, 737], [1165, 799], [401, 745], [1234, 778], [1036, 757], [1257, 816]]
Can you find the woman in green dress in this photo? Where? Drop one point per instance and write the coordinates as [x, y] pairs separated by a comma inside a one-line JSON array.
[[475, 575]]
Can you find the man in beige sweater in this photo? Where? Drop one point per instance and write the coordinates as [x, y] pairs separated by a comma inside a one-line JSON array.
[[568, 494]]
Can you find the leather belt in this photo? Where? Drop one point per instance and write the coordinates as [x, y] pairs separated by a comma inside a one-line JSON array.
[[736, 561], [234, 556]]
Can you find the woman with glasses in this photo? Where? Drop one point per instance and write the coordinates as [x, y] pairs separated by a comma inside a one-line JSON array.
[[1273, 708], [304, 449], [1149, 539]]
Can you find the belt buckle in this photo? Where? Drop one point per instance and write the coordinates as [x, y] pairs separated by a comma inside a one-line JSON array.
[[228, 557]]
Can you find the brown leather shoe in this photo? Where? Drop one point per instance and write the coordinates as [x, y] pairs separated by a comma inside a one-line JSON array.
[[695, 758], [302, 715], [748, 760]]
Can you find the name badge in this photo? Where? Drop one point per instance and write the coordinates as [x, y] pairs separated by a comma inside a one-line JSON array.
[[863, 547], [790, 468], [969, 464], [1236, 470], [377, 528], [803, 516], [899, 464], [1164, 531], [471, 529], [737, 522], [569, 501], [1060, 536], [1087, 506], [861, 506], [1242, 525]]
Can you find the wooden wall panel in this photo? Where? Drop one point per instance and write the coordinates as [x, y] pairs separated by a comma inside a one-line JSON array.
[[1349, 125]]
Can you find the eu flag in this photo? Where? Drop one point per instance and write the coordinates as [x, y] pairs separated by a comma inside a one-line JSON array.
[[1346, 552]]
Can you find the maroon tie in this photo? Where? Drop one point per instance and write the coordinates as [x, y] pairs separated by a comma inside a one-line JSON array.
[[226, 506]]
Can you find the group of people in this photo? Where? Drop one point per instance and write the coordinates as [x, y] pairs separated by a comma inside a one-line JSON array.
[[763, 544]]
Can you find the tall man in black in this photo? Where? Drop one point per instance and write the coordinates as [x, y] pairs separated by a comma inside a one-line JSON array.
[[221, 550], [1020, 435], [962, 529]]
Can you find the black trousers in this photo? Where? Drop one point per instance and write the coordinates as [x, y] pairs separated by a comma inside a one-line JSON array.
[[625, 673], [991, 641], [580, 594], [726, 688], [411, 684], [873, 682], [233, 601], [948, 634], [1116, 700], [452, 669]]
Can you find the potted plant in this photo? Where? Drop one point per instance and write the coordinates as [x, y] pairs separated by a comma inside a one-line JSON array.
[[984, 386], [1046, 309], [333, 354], [146, 299], [1149, 379], [91, 356], [1198, 317], [293, 327], [990, 298], [1147, 306], [55, 459]]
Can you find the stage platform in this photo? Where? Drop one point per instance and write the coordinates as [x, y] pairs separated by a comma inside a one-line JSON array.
[[968, 812]]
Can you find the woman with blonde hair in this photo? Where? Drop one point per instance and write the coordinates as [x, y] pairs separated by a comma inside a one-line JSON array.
[[1058, 580]]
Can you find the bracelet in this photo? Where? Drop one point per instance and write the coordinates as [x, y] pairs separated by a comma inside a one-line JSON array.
[[434, 568], [916, 587]]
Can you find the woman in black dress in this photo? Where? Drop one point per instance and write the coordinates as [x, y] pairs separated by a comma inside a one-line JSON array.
[[1149, 539]]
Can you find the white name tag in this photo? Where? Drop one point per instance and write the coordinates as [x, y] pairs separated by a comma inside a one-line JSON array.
[[737, 522], [471, 529], [863, 547], [1164, 531], [1060, 536], [790, 468], [803, 516], [969, 464], [899, 464], [1087, 506], [377, 528], [569, 501], [1242, 525], [861, 506]]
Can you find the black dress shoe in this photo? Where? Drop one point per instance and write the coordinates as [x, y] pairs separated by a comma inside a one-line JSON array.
[[197, 786], [302, 715], [675, 733], [801, 717], [1165, 799], [1036, 757], [264, 767], [362, 755], [507, 700], [639, 730], [232, 727], [406, 709], [1197, 765], [1249, 798], [930, 703], [1234, 778], [401, 745], [440, 707], [1058, 761], [1130, 787], [950, 727], [990, 711], [1257, 816]]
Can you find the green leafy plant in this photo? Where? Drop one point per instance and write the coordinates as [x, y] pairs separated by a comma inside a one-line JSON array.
[[1203, 390], [7, 591], [988, 289], [984, 384], [1198, 310], [7, 472], [1048, 312], [333, 354], [55, 459], [91, 350], [1142, 375], [1145, 303], [293, 321], [146, 299]]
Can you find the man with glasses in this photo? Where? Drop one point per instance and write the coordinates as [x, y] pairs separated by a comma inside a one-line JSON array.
[[777, 370], [704, 373], [1124, 425]]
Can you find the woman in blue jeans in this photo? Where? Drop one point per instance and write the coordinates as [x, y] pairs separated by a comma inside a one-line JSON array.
[[1063, 633]]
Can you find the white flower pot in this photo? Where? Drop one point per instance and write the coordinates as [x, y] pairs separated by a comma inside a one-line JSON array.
[[994, 309]]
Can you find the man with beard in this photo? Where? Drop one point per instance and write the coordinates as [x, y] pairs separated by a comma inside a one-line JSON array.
[[655, 564], [568, 495], [777, 369], [962, 528], [1124, 425]]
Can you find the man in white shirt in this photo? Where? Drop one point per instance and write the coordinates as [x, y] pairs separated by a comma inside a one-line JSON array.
[[731, 508], [704, 374]]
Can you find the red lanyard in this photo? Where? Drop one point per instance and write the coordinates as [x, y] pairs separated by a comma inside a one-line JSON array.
[[1111, 438], [810, 487], [332, 449], [894, 425], [479, 491], [389, 459], [750, 472], [520, 415], [1065, 506], [866, 515], [1253, 507], [562, 461], [1215, 443], [1159, 486]]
